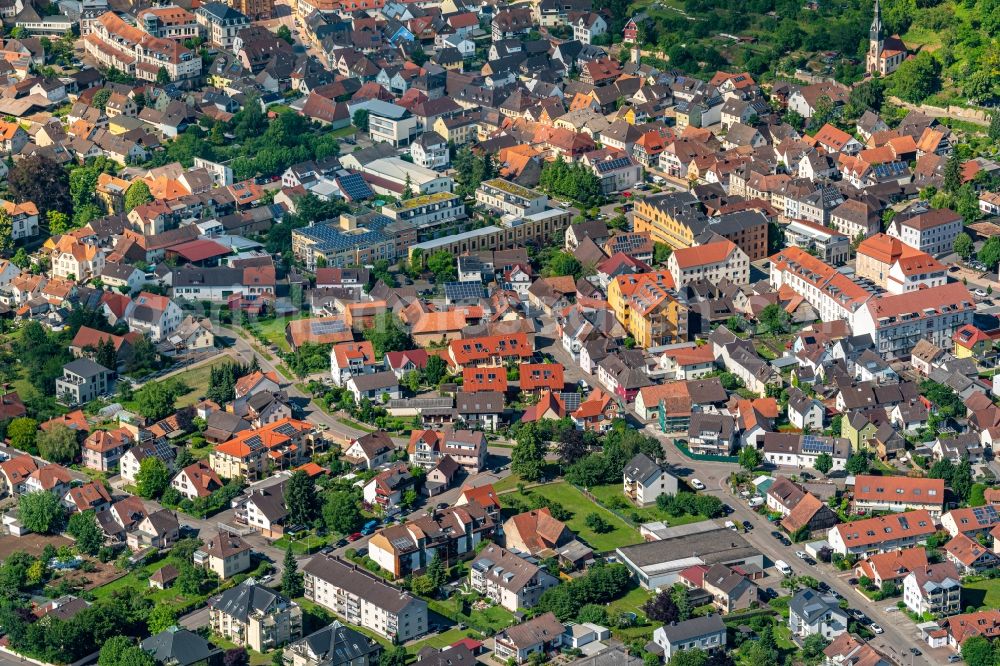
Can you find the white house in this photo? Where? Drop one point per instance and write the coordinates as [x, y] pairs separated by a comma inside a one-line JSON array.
[[933, 231], [153, 315], [644, 480], [934, 589]]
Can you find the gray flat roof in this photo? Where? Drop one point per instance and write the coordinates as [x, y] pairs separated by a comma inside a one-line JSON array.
[[711, 547]]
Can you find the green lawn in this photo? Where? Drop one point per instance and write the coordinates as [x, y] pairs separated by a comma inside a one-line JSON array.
[[351, 423], [273, 330], [611, 493], [981, 593], [137, 581], [443, 639], [494, 618], [508, 483], [310, 543], [630, 603], [195, 379], [573, 500]]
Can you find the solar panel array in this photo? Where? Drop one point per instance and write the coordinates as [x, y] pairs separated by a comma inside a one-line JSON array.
[[814, 444], [287, 429], [605, 166], [330, 237], [571, 401], [327, 327], [460, 291], [986, 515], [355, 187]]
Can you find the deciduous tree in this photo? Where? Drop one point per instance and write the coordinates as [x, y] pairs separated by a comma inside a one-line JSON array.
[[58, 444]]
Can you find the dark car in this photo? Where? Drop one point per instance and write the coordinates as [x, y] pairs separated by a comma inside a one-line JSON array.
[[915, 652], [823, 587], [443, 505], [785, 541], [777, 535], [327, 550], [852, 581], [340, 544], [810, 561], [747, 525]]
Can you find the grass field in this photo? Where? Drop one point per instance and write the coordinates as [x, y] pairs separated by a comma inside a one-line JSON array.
[[137, 582], [573, 500], [494, 617], [273, 330], [981, 593], [196, 379], [607, 494], [630, 603]]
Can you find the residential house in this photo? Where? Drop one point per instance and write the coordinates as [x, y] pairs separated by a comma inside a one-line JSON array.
[[935, 589], [898, 493], [535, 531], [892, 566], [810, 612], [255, 617], [364, 599], [542, 634], [333, 645], [509, 580], [103, 449], [644, 480], [196, 480], [468, 448], [452, 533], [82, 381], [224, 554], [706, 633], [371, 450], [969, 556], [881, 534]]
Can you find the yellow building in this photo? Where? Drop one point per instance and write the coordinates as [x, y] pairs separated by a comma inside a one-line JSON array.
[[673, 219], [970, 342], [648, 308]]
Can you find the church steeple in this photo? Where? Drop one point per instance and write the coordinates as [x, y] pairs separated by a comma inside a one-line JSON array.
[[875, 34], [876, 44]]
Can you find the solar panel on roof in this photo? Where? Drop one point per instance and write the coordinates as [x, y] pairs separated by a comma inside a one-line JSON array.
[[327, 327], [355, 187], [610, 165], [571, 401], [458, 291], [813, 444], [287, 429]]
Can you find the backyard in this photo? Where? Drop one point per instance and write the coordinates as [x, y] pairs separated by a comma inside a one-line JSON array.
[[612, 496], [978, 593], [621, 534]]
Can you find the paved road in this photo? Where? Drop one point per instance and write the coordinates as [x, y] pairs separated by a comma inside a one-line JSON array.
[[900, 632]]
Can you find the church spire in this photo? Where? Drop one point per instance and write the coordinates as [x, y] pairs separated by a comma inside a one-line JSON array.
[[875, 34]]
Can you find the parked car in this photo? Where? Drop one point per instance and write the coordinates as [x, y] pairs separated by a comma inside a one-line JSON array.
[[852, 581], [877, 629], [747, 525], [340, 544], [801, 554], [755, 502], [952, 658], [696, 484], [777, 535], [915, 652], [354, 537], [811, 562], [783, 567]]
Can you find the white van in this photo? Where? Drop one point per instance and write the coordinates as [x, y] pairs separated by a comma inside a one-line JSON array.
[[783, 567], [756, 501]]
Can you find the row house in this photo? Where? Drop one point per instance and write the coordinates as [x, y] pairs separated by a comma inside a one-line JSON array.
[[452, 533], [115, 43]]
